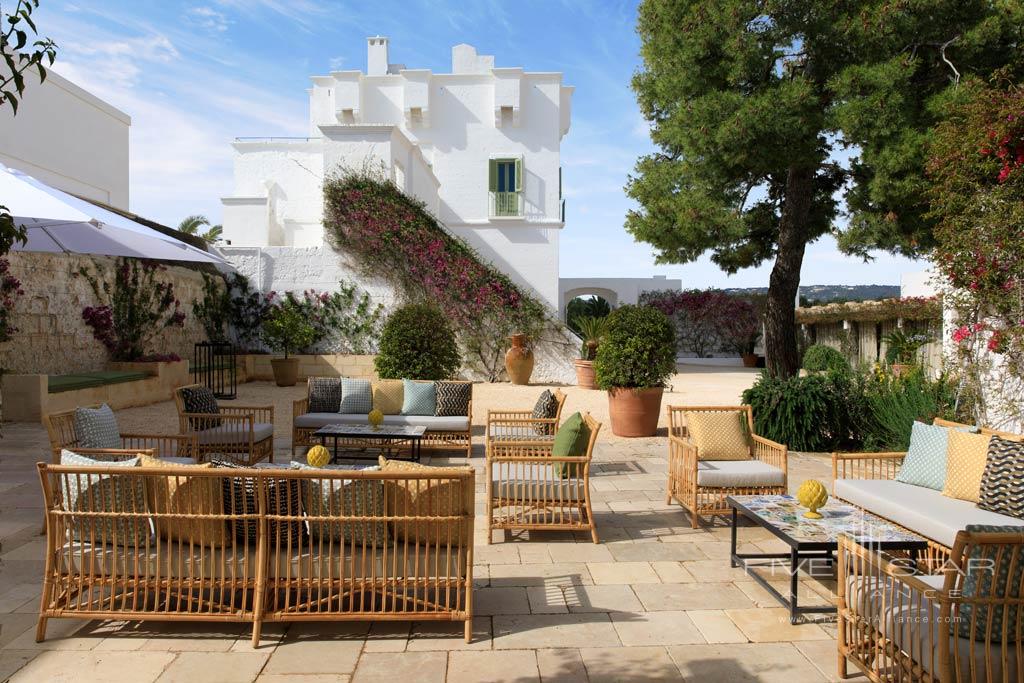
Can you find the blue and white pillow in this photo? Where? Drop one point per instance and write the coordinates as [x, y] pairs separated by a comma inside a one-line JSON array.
[[925, 462], [122, 498], [420, 398], [97, 428], [356, 397]]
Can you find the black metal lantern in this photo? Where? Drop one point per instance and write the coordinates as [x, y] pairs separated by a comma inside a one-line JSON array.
[[213, 365]]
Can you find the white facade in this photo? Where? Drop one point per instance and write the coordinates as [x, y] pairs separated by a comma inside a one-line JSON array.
[[439, 137], [68, 138], [615, 290]]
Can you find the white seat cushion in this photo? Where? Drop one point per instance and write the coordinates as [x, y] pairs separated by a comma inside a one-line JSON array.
[[234, 433], [923, 510], [517, 433], [431, 422], [538, 489], [736, 473]]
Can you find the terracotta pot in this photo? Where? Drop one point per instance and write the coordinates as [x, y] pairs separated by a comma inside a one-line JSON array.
[[519, 360], [286, 371], [900, 369], [635, 412], [750, 360], [585, 377]]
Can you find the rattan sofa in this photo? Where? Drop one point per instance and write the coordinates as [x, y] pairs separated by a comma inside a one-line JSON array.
[[701, 486], [525, 493], [896, 625], [60, 428], [444, 433], [244, 434], [410, 558], [868, 480]]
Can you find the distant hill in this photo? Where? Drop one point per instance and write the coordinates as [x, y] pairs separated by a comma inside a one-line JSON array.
[[828, 293]]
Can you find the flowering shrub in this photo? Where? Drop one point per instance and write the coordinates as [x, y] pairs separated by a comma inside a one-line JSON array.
[[709, 320], [135, 308], [977, 201], [10, 290], [392, 237], [908, 308]]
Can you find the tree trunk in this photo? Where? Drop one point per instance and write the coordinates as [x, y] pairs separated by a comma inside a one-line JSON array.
[[782, 359]]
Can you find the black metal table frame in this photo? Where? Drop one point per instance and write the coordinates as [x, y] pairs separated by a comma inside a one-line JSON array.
[[386, 442], [799, 552]]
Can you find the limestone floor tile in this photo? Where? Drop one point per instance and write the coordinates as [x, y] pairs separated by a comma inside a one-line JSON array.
[[672, 572], [711, 571], [496, 553], [23, 597], [496, 666], [629, 664], [501, 600], [314, 655], [622, 572], [61, 634], [14, 624], [531, 553], [557, 574], [580, 552], [655, 628], [548, 599], [823, 655], [652, 552], [195, 637], [110, 667], [688, 596], [304, 678], [223, 667], [603, 598], [716, 626], [12, 660], [428, 636], [744, 663], [561, 666], [422, 667], [388, 636], [771, 625], [515, 632]]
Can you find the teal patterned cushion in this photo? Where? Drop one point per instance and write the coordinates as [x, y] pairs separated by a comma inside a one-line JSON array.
[[105, 493], [978, 583], [97, 428], [925, 464], [356, 397], [420, 398]]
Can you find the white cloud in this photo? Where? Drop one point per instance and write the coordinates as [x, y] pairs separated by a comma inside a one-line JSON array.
[[337, 63], [207, 19]]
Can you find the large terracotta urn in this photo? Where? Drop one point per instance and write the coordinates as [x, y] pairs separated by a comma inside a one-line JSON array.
[[634, 412], [286, 371], [585, 376], [519, 360]]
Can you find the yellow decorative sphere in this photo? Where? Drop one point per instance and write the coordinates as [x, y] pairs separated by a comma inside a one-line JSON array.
[[812, 494], [375, 418], [318, 456]]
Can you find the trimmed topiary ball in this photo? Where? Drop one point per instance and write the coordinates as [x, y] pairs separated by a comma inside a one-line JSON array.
[[821, 358], [417, 342], [638, 349]]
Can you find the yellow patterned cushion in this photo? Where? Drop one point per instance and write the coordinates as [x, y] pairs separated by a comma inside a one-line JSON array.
[[425, 498], [388, 396], [965, 463], [719, 435], [186, 496]]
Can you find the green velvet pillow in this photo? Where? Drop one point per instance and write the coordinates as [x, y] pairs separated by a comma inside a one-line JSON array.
[[571, 441]]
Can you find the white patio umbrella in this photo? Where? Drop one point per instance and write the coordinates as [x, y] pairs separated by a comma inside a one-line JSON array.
[[59, 222]]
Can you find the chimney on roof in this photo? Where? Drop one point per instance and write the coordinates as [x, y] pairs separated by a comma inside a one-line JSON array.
[[376, 56]]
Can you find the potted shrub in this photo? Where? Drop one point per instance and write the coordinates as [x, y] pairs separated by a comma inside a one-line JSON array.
[[636, 357], [901, 350], [417, 342], [592, 329], [285, 330]]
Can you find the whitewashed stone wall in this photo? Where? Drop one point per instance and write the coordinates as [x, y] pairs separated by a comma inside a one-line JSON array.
[[52, 338]]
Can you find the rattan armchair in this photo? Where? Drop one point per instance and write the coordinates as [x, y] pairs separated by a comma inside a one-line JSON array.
[[685, 474], [244, 434], [60, 427], [962, 624], [511, 427], [525, 492]]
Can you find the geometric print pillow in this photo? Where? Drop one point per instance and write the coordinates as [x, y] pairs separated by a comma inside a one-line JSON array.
[[201, 401], [925, 462], [324, 394], [453, 398], [966, 455], [978, 582], [1002, 483], [122, 499], [344, 498], [97, 428], [546, 408], [356, 397], [420, 398], [719, 435]]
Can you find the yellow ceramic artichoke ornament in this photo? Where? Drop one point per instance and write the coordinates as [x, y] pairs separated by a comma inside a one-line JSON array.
[[812, 495], [317, 456], [375, 418]]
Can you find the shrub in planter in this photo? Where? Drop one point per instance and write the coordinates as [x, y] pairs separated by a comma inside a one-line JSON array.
[[417, 342], [821, 358], [636, 357], [286, 329]]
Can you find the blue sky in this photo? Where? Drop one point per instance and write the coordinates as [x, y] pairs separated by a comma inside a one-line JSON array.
[[193, 75]]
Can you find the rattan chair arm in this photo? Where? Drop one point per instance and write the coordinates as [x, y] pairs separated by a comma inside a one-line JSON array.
[[539, 458], [258, 412], [685, 453], [126, 452], [491, 413], [880, 563], [775, 445], [224, 417], [300, 406]]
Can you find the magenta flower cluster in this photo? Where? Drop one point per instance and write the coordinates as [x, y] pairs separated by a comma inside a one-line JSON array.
[[10, 291]]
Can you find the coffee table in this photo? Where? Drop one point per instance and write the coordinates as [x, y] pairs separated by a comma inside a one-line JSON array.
[[812, 540], [386, 437]]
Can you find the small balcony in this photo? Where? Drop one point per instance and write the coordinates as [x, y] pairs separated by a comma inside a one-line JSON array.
[[505, 204]]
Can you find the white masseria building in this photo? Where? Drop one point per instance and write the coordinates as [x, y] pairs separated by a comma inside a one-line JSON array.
[[480, 146]]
